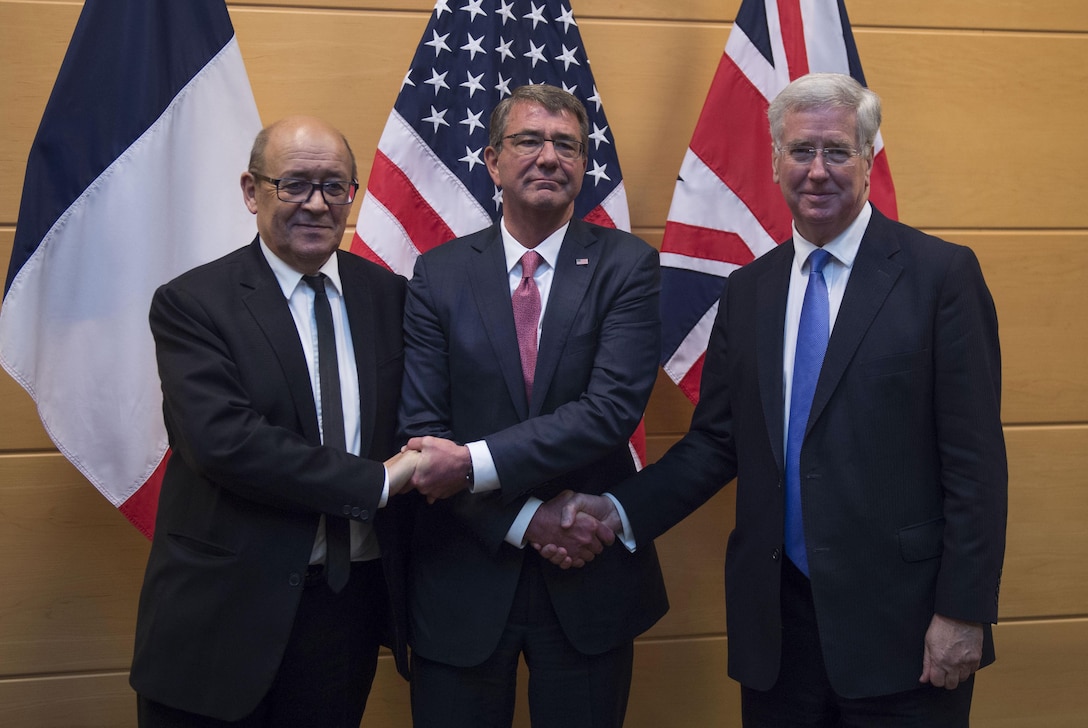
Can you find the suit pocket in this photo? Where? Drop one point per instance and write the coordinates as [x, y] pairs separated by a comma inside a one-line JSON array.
[[922, 541], [896, 364], [199, 546]]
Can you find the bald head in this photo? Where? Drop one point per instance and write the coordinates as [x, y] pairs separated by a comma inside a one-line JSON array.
[[299, 149]]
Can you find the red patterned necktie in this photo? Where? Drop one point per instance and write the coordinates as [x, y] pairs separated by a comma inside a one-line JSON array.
[[526, 303]]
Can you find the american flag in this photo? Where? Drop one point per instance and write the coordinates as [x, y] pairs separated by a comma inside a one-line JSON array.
[[429, 183], [726, 210]]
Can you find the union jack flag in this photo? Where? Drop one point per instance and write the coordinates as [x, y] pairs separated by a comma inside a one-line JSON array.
[[429, 183], [726, 210]]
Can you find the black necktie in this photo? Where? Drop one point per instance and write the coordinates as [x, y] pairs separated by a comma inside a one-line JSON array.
[[337, 532]]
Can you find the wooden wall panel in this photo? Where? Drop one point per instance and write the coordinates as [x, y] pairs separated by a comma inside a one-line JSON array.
[[33, 39], [982, 114], [1039, 677], [1046, 537], [974, 138], [677, 684], [71, 571], [1006, 14]]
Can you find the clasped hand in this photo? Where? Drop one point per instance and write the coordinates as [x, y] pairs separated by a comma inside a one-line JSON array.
[[570, 530]]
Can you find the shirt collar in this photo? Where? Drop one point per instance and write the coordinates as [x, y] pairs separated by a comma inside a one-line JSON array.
[[843, 248], [548, 248], [288, 278]]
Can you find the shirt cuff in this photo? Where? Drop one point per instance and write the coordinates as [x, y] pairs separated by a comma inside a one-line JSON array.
[[516, 535], [626, 534], [385, 489], [484, 476]]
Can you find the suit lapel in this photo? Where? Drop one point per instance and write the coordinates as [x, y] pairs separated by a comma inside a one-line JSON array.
[[574, 269], [871, 279], [360, 310], [263, 298], [771, 312], [491, 288]]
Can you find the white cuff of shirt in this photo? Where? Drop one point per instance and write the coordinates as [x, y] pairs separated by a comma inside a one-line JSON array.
[[385, 490], [484, 476], [626, 534]]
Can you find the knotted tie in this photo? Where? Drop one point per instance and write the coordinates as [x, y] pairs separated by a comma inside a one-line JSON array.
[[337, 532], [526, 303], [812, 334]]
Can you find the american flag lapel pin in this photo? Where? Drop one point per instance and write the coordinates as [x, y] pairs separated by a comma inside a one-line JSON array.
[[581, 261]]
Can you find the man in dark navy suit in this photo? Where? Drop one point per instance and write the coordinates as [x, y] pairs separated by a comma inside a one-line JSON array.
[[862, 575], [531, 348]]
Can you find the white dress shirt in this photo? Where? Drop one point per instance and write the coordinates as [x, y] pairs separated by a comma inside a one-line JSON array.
[[485, 477], [843, 250], [300, 299]]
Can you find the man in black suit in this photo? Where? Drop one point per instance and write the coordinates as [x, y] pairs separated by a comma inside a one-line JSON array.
[[862, 575], [275, 571], [531, 348]]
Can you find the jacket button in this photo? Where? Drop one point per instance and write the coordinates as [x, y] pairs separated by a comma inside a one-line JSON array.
[[346, 510], [364, 514], [776, 554], [355, 512], [294, 579]]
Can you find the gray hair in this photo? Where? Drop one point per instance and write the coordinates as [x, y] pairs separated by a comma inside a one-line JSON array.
[[827, 91], [552, 98]]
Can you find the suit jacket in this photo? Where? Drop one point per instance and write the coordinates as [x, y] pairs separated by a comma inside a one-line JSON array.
[[904, 476], [596, 365], [248, 480]]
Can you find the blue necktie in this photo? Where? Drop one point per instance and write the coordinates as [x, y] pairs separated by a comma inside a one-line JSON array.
[[812, 333]]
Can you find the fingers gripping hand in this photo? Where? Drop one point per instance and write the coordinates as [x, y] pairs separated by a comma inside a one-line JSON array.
[[567, 540], [442, 469], [400, 469]]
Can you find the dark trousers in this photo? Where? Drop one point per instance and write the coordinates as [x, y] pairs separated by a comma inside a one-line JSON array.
[[803, 695], [327, 668], [566, 688]]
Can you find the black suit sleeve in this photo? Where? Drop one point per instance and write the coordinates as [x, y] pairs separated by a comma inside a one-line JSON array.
[[216, 425]]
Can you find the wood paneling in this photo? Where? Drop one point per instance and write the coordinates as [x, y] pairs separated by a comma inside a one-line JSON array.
[[982, 113], [71, 571], [33, 39], [1047, 541], [1037, 682]]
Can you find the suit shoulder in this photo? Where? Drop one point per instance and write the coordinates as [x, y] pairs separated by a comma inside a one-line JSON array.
[[612, 236], [211, 272], [924, 247], [461, 245], [356, 266]]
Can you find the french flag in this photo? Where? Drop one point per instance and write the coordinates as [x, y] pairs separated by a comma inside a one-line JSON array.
[[132, 179]]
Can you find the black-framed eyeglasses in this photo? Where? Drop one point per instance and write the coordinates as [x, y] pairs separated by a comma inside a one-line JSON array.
[[334, 192], [530, 145], [833, 156]]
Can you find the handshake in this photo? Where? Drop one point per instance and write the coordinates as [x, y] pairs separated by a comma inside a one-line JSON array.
[[569, 530]]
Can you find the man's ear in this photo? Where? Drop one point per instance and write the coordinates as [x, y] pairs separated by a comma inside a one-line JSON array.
[[249, 191]]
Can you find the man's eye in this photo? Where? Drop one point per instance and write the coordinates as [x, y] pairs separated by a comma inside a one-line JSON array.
[[294, 186]]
